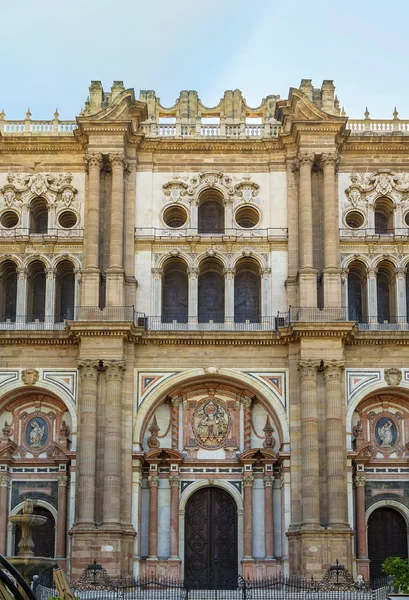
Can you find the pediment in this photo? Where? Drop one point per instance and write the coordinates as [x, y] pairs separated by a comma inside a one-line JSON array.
[[123, 108], [299, 107]]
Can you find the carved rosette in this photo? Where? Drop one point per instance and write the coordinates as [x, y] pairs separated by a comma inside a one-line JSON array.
[[211, 423]]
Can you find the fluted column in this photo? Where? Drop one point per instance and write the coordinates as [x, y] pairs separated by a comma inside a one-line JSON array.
[[229, 295], [335, 445], [292, 223], [62, 517], [90, 281], [361, 551], [129, 228], [4, 503], [268, 517], [174, 516], [50, 295], [372, 295], [193, 275], [21, 302], [309, 437], [112, 447], [115, 272], [307, 278], [332, 277], [400, 282], [157, 275], [153, 483], [266, 305], [248, 481], [86, 453]]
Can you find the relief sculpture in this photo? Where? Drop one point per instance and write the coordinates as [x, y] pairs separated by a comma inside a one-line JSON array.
[[211, 423]]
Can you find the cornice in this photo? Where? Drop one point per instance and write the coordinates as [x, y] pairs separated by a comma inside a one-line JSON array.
[[213, 338], [185, 145], [379, 338], [37, 338]]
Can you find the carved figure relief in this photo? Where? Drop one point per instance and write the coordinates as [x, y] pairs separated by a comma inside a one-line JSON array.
[[385, 432], [211, 423], [36, 432]]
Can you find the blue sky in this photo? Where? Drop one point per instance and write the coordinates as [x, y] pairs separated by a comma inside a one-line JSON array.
[[52, 49]]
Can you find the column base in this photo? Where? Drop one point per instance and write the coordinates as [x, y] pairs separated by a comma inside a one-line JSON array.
[[90, 286], [114, 549], [312, 552], [114, 286], [307, 279], [362, 568], [332, 288], [167, 568], [259, 568]]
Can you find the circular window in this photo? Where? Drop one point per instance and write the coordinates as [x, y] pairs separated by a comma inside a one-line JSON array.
[[247, 217], [354, 219], [9, 219], [175, 216], [67, 219]]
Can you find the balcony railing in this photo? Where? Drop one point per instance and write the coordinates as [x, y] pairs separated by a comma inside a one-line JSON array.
[[152, 233], [185, 323], [372, 233], [25, 232], [389, 323], [211, 130], [30, 323]]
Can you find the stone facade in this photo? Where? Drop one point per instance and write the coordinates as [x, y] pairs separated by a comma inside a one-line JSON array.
[[202, 298]]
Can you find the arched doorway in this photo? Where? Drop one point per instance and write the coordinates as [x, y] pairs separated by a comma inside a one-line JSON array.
[[211, 540], [387, 536], [43, 536]]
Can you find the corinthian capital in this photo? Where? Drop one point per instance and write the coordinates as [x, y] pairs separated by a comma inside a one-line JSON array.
[[118, 160], [88, 369], [308, 369], [305, 159], [93, 160], [114, 370], [333, 370], [330, 159]]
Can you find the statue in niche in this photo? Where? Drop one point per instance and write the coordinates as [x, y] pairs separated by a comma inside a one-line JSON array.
[[36, 434], [385, 434]]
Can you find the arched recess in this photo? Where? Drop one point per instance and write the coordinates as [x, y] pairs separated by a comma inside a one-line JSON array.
[[175, 294], [8, 291], [247, 291], [48, 533], [38, 216], [385, 292], [36, 290], [210, 212], [387, 534], [64, 291], [211, 291], [357, 292], [383, 210]]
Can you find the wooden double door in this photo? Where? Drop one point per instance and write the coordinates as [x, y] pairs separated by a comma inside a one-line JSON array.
[[387, 536], [211, 540]]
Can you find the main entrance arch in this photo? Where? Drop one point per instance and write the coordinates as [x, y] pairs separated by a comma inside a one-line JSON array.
[[211, 539], [387, 536]]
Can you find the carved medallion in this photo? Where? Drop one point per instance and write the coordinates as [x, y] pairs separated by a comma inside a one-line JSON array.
[[36, 433], [30, 376], [211, 423], [393, 376], [385, 433]]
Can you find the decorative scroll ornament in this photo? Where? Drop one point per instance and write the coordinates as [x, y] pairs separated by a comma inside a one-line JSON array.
[[367, 187], [21, 187], [211, 423], [247, 189], [175, 189]]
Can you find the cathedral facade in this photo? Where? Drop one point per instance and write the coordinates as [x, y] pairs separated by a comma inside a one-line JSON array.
[[204, 335]]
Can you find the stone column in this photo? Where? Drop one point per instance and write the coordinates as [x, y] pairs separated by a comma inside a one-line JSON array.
[[310, 445], [266, 307], [86, 451], [157, 275], [112, 447], [361, 551], [193, 275], [248, 481], [175, 402], [268, 517], [153, 483], [129, 253], [371, 220], [307, 278], [344, 290], [292, 222], [247, 402], [21, 302], [372, 296], [174, 516], [335, 445], [229, 214], [115, 271], [332, 278], [229, 295], [400, 282], [398, 221], [4, 506], [62, 517], [90, 286], [50, 295], [193, 214]]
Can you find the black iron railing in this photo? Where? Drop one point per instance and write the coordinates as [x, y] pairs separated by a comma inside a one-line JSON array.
[[374, 232], [232, 232], [174, 322], [24, 232]]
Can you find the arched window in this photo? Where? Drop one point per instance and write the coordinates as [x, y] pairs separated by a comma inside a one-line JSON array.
[[357, 294], [175, 292], [64, 291], [383, 216], [385, 292], [211, 212], [211, 291], [8, 295], [247, 286], [36, 291], [38, 216]]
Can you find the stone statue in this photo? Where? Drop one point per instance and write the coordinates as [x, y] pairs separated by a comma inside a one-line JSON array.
[[28, 507], [36, 434], [385, 434]]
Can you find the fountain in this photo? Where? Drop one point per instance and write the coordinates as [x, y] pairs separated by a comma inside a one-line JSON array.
[[26, 562]]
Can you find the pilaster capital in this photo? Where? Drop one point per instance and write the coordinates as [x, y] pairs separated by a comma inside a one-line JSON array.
[[229, 273], [176, 401], [360, 480], [247, 402], [193, 273], [371, 272], [114, 370], [305, 160], [248, 480], [4, 481], [93, 160], [329, 160], [21, 272], [268, 481], [138, 478], [62, 481], [50, 272], [265, 272], [153, 481], [88, 370], [400, 273], [156, 272], [174, 481], [117, 160], [308, 369], [333, 370]]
